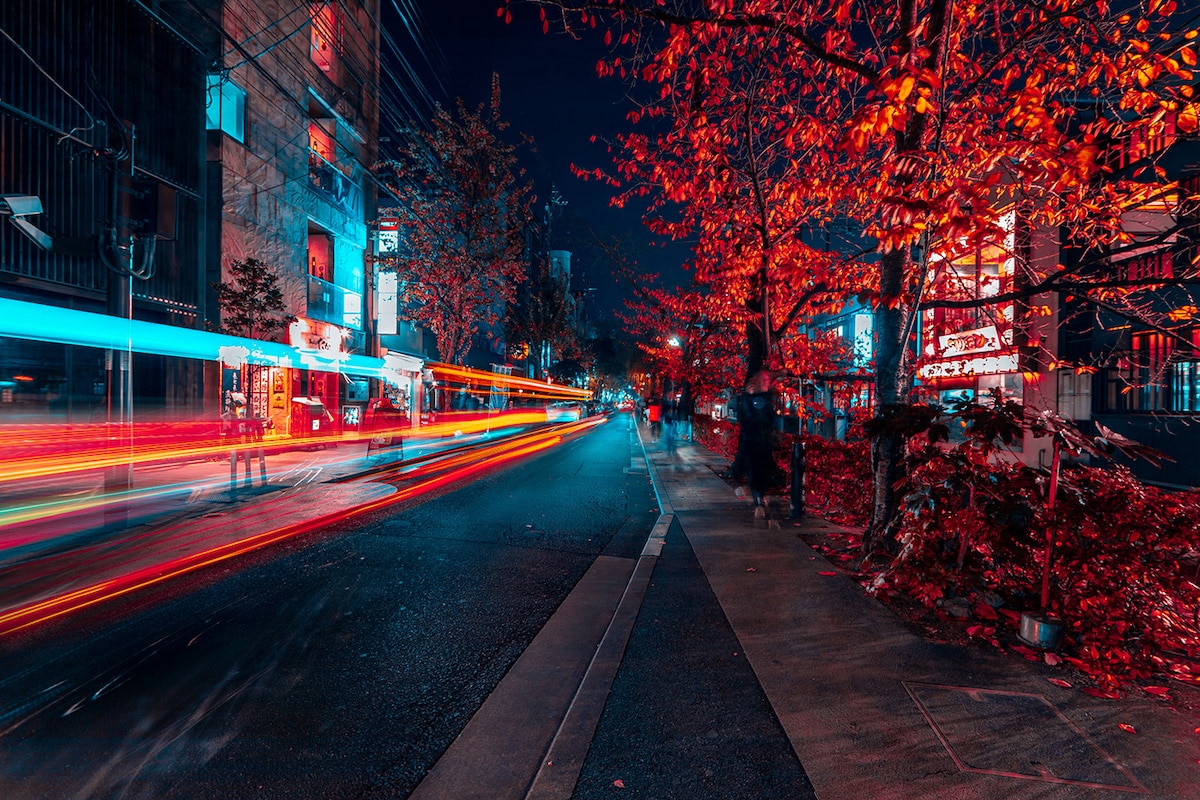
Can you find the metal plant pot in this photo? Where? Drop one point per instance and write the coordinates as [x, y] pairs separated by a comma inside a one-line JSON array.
[[1041, 631]]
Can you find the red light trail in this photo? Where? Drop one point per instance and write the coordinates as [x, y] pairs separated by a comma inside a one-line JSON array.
[[453, 468]]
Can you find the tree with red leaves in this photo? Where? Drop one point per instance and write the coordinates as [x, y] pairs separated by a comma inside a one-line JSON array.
[[463, 209], [923, 122]]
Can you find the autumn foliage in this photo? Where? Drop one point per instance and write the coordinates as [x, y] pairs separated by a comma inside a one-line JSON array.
[[1124, 571], [911, 128], [462, 207]]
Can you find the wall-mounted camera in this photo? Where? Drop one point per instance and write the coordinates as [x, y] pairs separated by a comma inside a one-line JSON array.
[[19, 206]]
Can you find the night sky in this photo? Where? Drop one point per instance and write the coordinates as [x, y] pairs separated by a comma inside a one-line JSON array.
[[550, 91]]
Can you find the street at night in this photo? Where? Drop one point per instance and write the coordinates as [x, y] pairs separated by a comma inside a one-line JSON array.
[[585, 399], [341, 665], [547, 629]]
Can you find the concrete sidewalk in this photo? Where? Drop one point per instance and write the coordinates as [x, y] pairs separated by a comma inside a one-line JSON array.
[[874, 711]]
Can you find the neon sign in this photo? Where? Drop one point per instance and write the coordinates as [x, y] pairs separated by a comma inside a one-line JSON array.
[[963, 367], [979, 340]]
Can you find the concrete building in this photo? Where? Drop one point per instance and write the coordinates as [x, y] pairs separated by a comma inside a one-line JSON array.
[[292, 112], [102, 132]]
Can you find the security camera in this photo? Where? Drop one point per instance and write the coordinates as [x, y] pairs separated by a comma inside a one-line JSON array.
[[18, 206]]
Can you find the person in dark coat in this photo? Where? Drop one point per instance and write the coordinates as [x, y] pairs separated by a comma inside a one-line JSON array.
[[756, 422]]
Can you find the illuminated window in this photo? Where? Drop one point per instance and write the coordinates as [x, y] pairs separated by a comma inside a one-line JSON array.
[[1158, 264], [320, 142], [1185, 387], [324, 41], [320, 255], [225, 107]]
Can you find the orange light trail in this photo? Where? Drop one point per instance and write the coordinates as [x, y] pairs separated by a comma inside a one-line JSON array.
[[41, 451], [485, 380], [461, 466]]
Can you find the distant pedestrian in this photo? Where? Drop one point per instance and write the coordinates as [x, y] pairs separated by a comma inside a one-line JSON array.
[[756, 423], [654, 415], [244, 437], [668, 421]]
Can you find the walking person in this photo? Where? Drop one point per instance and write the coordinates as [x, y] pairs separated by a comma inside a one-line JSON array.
[[668, 420], [756, 422], [654, 416]]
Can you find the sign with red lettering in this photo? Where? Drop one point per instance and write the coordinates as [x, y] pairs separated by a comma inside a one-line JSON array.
[[961, 343]]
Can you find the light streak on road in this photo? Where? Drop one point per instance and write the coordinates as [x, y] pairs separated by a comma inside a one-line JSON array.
[[454, 468], [43, 451]]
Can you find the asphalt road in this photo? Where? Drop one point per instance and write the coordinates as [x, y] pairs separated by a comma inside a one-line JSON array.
[[341, 666]]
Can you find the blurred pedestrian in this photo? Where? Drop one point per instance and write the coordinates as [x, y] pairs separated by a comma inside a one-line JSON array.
[[654, 416], [756, 423], [668, 421], [244, 437]]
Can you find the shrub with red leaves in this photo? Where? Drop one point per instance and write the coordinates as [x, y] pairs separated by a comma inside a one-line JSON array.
[[974, 523], [718, 435], [834, 476]]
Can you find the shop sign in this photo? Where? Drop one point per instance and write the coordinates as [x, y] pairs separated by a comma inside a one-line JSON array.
[[321, 338], [963, 367], [389, 236], [979, 340]]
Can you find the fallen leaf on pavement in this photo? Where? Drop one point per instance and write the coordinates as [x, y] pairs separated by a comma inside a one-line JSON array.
[[1157, 691], [827, 574], [620, 784], [1025, 651], [984, 611], [1052, 659], [1060, 682], [1127, 728], [751, 569]]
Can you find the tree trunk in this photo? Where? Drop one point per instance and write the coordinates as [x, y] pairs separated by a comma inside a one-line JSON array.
[[893, 385]]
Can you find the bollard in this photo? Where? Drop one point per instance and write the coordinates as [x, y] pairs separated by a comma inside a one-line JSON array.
[[797, 479]]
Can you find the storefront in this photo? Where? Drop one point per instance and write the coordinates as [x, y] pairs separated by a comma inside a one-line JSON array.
[[320, 347], [968, 352]]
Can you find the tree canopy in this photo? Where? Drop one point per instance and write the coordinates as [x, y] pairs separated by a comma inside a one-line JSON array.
[[463, 205], [251, 303], [923, 122]]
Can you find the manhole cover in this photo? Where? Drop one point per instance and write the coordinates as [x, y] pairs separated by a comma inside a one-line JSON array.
[[1017, 735]]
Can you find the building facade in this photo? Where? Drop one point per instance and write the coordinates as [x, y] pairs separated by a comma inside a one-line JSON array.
[[161, 143], [102, 132], [292, 118]]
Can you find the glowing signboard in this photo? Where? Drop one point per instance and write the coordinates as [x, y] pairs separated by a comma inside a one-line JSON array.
[[388, 236], [321, 338], [961, 343], [965, 367]]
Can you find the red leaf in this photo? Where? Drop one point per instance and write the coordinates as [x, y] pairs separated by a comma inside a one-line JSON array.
[[1025, 651], [827, 574], [1060, 682], [1052, 659], [984, 611], [1157, 691], [1127, 728], [620, 784]]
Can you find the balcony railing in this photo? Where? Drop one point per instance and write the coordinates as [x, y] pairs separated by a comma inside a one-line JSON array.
[[334, 185], [329, 302]]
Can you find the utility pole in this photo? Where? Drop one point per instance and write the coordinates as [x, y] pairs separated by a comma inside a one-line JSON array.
[[127, 256]]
